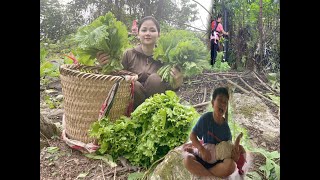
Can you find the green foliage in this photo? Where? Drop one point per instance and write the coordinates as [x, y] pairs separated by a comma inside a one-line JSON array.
[[46, 67], [271, 165], [50, 102], [275, 99], [219, 65], [51, 18], [104, 34], [253, 176], [135, 176], [182, 49], [43, 54], [155, 127], [106, 158]]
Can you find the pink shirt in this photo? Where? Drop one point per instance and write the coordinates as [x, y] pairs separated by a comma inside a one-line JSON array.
[[219, 29]]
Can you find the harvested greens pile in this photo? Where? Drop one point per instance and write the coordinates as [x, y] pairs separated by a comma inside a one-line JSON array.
[[158, 125], [103, 34], [182, 49]]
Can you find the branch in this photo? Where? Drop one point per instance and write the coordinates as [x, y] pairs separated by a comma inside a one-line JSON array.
[[263, 83], [204, 94], [201, 104], [186, 25], [236, 85], [258, 94], [202, 6], [102, 170]]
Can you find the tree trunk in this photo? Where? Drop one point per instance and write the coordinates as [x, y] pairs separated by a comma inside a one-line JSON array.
[[147, 8], [261, 34], [159, 10], [47, 128]]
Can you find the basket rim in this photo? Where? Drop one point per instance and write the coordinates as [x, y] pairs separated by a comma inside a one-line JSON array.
[[73, 69]]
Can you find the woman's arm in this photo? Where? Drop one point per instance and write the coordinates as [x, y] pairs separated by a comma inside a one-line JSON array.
[[222, 30]]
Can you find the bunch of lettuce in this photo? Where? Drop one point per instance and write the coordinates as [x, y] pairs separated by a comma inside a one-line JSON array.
[[158, 125], [181, 49], [104, 34]]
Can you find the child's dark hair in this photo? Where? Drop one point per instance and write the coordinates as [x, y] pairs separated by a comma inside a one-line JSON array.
[[220, 91], [149, 18], [219, 16]]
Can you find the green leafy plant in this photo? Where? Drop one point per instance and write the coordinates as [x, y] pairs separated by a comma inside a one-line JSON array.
[[219, 65], [46, 67], [50, 102], [275, 99], [271, 167], [274, 80], [158, 125], [135, 176], [104, 34], [181, 49]]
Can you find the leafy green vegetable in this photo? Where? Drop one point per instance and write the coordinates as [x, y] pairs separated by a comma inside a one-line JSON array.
[[182, 49], [103, 34], [158, 125]]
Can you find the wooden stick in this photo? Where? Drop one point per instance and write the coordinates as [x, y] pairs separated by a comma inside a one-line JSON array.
[[264, 84], [236, 85], [258, 94], [115, 173], [45, 138], [102, 171], [204, 94], [202, 104]]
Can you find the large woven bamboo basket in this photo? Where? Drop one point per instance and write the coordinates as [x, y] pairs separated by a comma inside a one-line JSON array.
[[84, 92]]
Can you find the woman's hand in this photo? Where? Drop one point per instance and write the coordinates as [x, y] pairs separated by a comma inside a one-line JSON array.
[[131, 78], [102, 58], [177, 77]]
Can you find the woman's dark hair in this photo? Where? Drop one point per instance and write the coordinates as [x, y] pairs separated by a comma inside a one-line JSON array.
[[149, 18], [219, 16], [220, 91]]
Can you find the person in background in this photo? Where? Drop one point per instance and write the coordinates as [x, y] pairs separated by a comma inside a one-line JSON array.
[[216, 32]]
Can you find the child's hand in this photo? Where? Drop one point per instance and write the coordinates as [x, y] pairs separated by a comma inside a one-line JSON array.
[[205, 154], [235, 154]]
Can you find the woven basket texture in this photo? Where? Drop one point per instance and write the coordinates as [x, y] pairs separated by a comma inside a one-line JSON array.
[[84, 92]]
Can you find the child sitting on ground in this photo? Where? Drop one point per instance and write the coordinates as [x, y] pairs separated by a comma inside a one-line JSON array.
[[220, 151], [201, 158]]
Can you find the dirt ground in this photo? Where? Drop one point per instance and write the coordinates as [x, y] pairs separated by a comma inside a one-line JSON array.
[[66, 163]]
